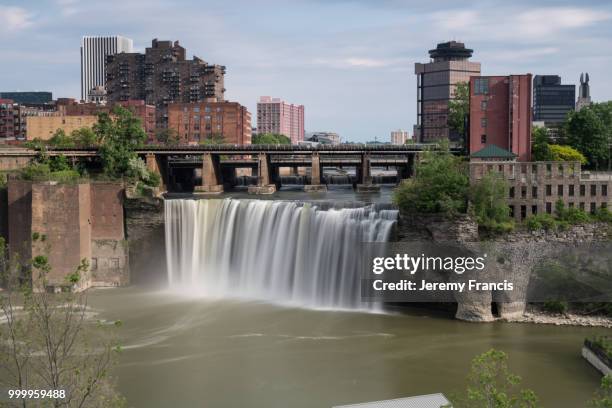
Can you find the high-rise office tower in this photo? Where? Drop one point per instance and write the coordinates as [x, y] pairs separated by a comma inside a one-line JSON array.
[[94, 51], [552, 100], [277, 116], [584, 94], [161, 76], [436, 82]]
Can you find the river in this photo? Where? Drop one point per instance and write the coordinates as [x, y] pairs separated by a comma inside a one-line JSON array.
[[192, 348]]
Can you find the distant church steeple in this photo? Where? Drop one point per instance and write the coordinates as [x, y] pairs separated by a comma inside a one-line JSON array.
[[584, 94]]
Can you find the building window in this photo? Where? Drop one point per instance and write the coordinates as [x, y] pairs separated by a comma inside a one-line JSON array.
[[593, 208], [523, 212], [593, 190], [582, 206], [560, 190], [511, 211], [524, 192], [604, 190], [196, 109], [582, 190], [548, 208], [481, 86], [483, 139], [483, 105], [534, 192], [570, 205], [483, 122], [548, 190], [511, 192], [534, 209], [534, 168], [571, 190]]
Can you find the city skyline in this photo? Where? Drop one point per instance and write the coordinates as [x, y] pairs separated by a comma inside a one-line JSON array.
[[332, 65]]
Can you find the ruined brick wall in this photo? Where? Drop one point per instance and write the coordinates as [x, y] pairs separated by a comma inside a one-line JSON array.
[[61, 216], [19, 203]]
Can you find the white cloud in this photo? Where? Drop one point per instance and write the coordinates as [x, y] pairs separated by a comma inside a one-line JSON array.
[[14, 19]]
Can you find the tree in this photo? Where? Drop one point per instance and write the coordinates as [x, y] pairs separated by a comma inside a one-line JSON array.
[[488, 199], [84, 137], [459, 109], [565, 153], [590, 132], [168, 137], [214, 139], [271, 139], [603, 399], [540, 148], [491, 385], [48, 342], [61, 139], [440, 185], [119, 135]]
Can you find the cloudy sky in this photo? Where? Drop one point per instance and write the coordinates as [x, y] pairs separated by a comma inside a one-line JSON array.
[[350, 62]]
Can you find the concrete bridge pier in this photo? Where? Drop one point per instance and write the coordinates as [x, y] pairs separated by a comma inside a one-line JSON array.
[[264, 185], [315, 185], [365, 184], [211, 175]]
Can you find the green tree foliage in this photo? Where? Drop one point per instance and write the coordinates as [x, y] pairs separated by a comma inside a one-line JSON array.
[[565, 153], [61, 139], [119, 134], [603, 399], [214, 139], [491, 385], [459, 108], [488, 199], [168, 137], [84, 137], [540, 146], [50, 342], [270, 139], [440, 185], [590, 132]]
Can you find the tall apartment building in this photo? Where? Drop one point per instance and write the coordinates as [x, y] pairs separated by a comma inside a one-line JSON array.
[[14, 117], [277, 116], [584, 95], [399, 137], [199, 121], [436, 83], [94, 51], [7, 120], [500, 114], [551, 100], [161, 76]]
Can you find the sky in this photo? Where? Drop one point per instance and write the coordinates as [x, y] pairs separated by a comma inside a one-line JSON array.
[[349, 62]]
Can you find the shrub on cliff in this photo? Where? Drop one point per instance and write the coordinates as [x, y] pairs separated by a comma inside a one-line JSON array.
[[603, 398], [440, 185]]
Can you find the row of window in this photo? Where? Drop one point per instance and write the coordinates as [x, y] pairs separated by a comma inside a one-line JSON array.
[[549, 208], [207, 109], [561, 190]]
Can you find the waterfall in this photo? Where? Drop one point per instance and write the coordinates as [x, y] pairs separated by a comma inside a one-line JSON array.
[[281, 251]]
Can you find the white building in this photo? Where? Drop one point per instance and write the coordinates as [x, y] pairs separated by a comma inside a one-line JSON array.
[[399, 137], [94, 50]]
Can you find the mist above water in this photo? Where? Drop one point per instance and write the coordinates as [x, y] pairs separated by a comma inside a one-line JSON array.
[[288, 252]]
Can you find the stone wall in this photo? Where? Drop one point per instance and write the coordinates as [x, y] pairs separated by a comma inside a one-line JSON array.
[[515, 254]]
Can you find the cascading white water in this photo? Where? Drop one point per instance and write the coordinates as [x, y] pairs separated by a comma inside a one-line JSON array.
[[279, 251]]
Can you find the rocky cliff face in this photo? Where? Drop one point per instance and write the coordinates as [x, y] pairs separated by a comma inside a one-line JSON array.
[[145, 232], [514, 255]]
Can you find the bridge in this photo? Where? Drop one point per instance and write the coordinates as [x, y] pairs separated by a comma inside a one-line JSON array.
[[217, 164]]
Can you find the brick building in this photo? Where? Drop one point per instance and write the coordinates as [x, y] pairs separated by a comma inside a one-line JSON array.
[[7, 120], [436, 83], [163, 75], [44, 127], [196, 122], [145, 112], [277, 116], [501, 114], [534, 188]]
